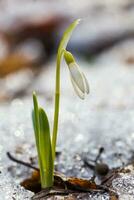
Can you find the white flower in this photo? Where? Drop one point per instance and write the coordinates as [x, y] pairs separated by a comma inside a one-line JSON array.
[[78, 78]]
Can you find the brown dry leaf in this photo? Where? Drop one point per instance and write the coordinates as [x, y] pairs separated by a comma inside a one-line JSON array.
[[60, 182], [13, 63], [81, 184], [32, 183], [65, 188]]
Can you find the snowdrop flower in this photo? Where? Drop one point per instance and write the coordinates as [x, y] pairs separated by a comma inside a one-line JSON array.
[[78, 79]]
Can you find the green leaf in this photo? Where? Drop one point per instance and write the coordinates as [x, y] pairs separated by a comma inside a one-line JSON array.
[[43, 144], [66, 36], [36, 125], [35, 117], [45, 149]]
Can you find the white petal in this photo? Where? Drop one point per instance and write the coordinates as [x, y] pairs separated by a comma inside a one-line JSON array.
[[86, 84], [77, 90], [76, 76]]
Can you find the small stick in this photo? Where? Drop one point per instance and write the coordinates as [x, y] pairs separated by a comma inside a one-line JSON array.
[[21, 162], [49, 194], [91, 166], [101, 150]]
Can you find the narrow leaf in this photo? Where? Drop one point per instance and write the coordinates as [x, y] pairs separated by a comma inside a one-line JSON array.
[[36, 125], [67, 34], [35, 117], [45, 149]]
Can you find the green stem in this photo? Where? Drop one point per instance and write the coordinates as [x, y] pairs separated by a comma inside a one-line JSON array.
[[57, 101], [61, 51]]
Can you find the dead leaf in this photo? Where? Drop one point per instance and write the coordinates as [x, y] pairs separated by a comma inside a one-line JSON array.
[[14, 62]]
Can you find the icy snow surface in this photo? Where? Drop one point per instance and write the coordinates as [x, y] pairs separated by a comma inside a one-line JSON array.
[[105, 118]]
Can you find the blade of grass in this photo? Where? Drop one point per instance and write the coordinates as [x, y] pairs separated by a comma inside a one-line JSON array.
[[36, 125], [35, 117], [45, 149]]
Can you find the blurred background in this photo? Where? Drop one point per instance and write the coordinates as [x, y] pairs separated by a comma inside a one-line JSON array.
[[103, 43], [31, 30]]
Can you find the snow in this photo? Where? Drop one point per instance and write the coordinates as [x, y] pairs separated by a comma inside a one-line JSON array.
[[105, 118]]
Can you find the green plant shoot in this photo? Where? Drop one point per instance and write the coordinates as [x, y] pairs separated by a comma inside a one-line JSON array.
[[45, 142]]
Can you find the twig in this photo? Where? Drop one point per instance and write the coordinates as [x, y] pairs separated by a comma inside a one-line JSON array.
[[21, 162]]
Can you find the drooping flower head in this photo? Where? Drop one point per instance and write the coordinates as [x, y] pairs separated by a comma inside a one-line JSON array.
[[78, 79]]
